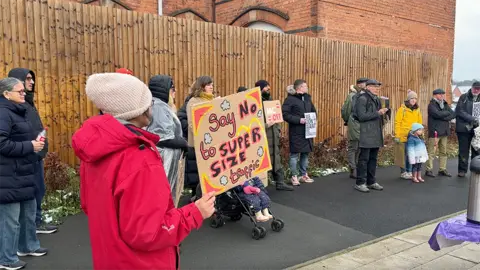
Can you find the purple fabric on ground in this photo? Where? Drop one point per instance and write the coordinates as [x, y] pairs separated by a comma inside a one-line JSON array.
[[454, 231]]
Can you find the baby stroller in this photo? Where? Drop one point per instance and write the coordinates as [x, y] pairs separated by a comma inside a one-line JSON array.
[[230, 205]]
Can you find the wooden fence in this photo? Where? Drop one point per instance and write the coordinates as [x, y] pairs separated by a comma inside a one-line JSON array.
[[64, 42]]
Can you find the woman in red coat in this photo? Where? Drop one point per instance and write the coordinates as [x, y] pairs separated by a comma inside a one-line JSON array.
[[124, 190]]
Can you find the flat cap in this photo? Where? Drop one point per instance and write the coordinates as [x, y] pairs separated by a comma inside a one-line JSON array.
[[373, 82], [476, 85], [362, 80], [438, 91]]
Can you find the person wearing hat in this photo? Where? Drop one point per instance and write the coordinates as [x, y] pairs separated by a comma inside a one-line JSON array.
[[369, 113], [125, 193], [166, 124], [466, 122], [416, 151], [353, 130], [439, 116], [273, 132], [406, 115]]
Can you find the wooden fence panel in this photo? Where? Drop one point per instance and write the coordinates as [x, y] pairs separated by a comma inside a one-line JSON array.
[[65, 42]]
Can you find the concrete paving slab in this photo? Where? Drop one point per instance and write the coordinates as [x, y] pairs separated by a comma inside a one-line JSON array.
[[446, 262], [470, 252], [377, 251]]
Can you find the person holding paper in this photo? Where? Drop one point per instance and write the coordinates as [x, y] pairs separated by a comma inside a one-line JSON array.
[[369, 112], [467, 120], [407, 114], [296, 105]]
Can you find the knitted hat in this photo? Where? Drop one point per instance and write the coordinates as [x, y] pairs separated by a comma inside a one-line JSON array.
[[262, 84], [411, 95], [124, 71], [416, 126], [122, 96]]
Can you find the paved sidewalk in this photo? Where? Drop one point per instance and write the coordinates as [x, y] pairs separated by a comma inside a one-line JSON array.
[[408, 250]]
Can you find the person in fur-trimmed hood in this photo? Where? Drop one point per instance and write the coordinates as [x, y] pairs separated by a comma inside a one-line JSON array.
[[297, 103], [353, 131]]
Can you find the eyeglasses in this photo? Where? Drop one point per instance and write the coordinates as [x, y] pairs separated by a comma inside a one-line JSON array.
[[21, 92]]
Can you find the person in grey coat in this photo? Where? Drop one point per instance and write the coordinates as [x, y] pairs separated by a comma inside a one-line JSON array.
[[369, 112], [166, 124]]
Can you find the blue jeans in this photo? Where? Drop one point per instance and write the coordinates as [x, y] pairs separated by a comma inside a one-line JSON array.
[[408, 166], [17, 230], [303, 163], [39, 190]]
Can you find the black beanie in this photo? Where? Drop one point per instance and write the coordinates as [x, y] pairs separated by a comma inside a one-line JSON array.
[[262, 84]]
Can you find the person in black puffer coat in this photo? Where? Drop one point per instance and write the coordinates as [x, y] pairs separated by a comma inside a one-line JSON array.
[[297, 103], [28, 78], [18, 160], [191, 170]]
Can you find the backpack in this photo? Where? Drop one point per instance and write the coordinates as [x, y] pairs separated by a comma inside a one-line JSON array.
[[347, 108]]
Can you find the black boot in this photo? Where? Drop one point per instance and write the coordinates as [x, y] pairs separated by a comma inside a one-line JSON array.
[[283, 186], [429, 174], [353, 173]]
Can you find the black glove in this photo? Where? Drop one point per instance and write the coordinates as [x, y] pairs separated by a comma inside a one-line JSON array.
[[475, 123]]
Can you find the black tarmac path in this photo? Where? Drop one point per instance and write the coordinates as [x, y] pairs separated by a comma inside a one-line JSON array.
[[320, 218]]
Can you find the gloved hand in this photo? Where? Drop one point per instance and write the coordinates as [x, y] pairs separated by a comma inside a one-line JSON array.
[[251, 190], [397, 140], [475, 123]]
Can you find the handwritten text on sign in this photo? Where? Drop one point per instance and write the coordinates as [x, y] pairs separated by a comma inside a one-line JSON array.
[[273, 111], [230, 141]]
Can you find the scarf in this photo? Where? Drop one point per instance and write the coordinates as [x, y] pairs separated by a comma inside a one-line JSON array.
[[440, 103], [206, 96]]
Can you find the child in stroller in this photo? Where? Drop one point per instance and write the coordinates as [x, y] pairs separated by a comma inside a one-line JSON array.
[[250, 199]]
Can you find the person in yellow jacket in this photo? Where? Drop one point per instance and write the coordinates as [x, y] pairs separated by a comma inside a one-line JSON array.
[[407, 114]]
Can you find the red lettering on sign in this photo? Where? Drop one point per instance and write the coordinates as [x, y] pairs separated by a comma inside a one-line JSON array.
[[223, 121]]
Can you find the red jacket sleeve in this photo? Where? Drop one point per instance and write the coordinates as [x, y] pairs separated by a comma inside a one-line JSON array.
[[147, 218], [83, 189]]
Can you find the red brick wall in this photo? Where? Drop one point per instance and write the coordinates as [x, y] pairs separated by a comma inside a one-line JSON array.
[[146, 6], [426, 25], [202, 7]]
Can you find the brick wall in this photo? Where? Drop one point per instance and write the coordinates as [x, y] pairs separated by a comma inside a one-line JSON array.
[[202, 7], [426, 25], [147, 6]]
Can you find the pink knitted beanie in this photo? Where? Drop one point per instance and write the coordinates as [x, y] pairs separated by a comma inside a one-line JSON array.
[[120, 95], [411, 95]]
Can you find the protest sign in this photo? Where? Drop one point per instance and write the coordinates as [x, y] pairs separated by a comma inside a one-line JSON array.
[[476, 110], [230, 140], [273, 111], [310, 125]]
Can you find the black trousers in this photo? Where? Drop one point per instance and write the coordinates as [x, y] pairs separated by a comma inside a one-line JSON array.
[[464, 147], [367, 166], [278, 176]]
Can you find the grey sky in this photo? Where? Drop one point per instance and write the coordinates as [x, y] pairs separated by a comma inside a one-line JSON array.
[[466, 63]]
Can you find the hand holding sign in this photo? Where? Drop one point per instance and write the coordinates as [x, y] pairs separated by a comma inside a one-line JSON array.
[[206, 204]]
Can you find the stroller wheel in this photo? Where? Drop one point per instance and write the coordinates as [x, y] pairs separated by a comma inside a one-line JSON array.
[[236, 217], [277, 225], [256, 233], [264, 232], [217, 221]]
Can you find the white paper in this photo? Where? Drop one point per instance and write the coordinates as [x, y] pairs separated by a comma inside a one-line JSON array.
[[310, 125], [476, 110]]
